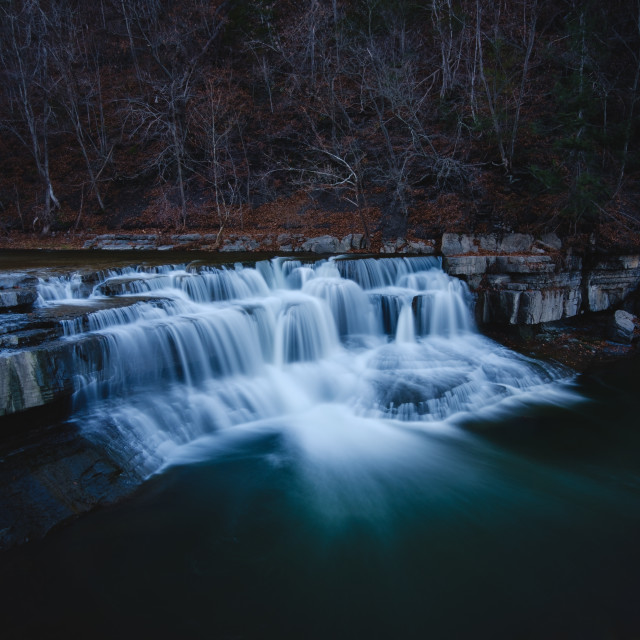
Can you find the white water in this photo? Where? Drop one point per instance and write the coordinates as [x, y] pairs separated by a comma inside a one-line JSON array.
[[340, 357]]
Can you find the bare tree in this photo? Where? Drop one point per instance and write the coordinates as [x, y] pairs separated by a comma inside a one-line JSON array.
[[450, 29], [398, 81], [503, 70], [26, 64], [217, 129], [633, 98], [79, 92], [160, 114]]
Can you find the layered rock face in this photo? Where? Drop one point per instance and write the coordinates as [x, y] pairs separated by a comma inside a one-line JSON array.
[[609, 281], [39, 376], [523, 281]]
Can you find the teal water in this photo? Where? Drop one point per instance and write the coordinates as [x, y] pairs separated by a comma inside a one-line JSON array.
[[526, 525]]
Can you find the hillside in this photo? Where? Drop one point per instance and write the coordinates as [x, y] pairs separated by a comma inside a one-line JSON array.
[[381, 117]]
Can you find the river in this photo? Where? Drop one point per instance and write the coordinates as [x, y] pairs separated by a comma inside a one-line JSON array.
[[332, 450]]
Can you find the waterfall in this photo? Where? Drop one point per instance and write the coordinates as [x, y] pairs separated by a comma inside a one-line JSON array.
[[189, 352], [56, 288]]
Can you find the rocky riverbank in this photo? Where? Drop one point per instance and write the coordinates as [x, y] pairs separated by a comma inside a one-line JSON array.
[[531, 294]]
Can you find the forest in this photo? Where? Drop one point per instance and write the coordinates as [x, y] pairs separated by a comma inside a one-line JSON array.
[[394, 117]]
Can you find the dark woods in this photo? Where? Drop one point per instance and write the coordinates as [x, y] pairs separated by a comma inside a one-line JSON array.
[[163, 114]]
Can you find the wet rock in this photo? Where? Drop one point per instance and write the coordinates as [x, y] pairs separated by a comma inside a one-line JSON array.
[[17, 280], [47, 478], [498, 306], [28, 338], [17, 299], [10, 322], [127, 285], [18, 292], [43, 375]]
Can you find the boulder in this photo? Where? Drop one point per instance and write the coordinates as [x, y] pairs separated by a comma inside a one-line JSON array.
[[358, 241], [623, 326], [353, 241], [550, 241], [322, 244]]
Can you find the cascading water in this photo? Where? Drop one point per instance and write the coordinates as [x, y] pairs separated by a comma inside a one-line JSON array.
[[341, 347]]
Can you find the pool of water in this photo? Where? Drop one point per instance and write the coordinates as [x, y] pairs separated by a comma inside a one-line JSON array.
[[524, 525]]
